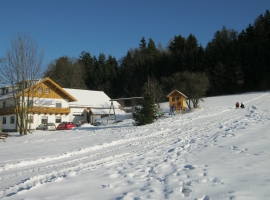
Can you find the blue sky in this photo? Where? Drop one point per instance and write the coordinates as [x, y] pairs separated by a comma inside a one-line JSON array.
[[68, 27]]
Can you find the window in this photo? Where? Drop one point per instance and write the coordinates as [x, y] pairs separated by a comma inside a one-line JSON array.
[[39, 90], [12, 120], [47, 90], [44, 119], [4, 120], [30, 119], [58, 104], [173, 99], [4, 104], [58, 119], [30, 102]]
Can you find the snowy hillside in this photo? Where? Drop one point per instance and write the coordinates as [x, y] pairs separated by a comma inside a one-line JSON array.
[[215, 152]]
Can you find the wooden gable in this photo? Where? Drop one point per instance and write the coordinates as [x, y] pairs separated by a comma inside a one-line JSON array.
[[47, 88], [176, 93]]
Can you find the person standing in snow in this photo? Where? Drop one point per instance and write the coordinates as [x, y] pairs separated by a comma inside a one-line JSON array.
[[237, 105], [172, 110], [242, 105]]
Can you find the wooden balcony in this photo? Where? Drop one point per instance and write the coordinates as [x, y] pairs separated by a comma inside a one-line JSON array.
[[49, 110], [7, 111], [37, 110]]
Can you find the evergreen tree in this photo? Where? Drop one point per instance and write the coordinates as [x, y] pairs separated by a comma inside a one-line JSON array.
[[126, 72], [142, 44], [223, 62], [254, 45], [151, 59], [111, 77], [151, 48], [193, 55], [132, 74], [176, 50], [100, 71], [87, 62], [147, 113]]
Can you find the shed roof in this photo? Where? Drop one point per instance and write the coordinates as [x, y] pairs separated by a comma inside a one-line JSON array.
[[176, 92]]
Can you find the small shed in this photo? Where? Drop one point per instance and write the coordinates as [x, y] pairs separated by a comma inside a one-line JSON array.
[[178, 100]]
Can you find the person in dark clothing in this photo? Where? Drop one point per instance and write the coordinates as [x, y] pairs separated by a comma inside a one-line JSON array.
[[242, 105], [237, 105], [172, 109]]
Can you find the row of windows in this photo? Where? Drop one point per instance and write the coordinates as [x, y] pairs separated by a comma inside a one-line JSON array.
[[176, 99], [11, 120], [44, 119], [40, 90], [5, 90]]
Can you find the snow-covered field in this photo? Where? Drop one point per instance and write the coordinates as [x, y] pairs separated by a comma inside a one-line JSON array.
[[215, 152]]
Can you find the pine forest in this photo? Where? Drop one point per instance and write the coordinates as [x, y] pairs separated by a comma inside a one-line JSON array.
[[232, 62]]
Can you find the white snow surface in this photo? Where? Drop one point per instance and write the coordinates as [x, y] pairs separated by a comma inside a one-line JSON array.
[[210, 153]]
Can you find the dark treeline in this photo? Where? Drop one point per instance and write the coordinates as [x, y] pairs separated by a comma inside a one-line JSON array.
[[233, 62]]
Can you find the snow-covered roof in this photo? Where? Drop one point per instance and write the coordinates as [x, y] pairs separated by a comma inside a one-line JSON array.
[[6, 96], [90, 98], [100, 111], [176, 91]]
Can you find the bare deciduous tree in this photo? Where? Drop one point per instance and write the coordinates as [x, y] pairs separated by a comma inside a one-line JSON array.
[[20, 68], [153, 87], [193, 85]]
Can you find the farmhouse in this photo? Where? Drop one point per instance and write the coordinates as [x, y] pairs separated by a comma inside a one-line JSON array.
[[49, 102]]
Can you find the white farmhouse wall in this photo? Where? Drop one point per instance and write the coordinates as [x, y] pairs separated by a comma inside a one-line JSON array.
[[8, 124], [50, 102]]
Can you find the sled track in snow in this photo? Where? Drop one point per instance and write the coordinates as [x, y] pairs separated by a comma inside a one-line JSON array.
[[59, 167]]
